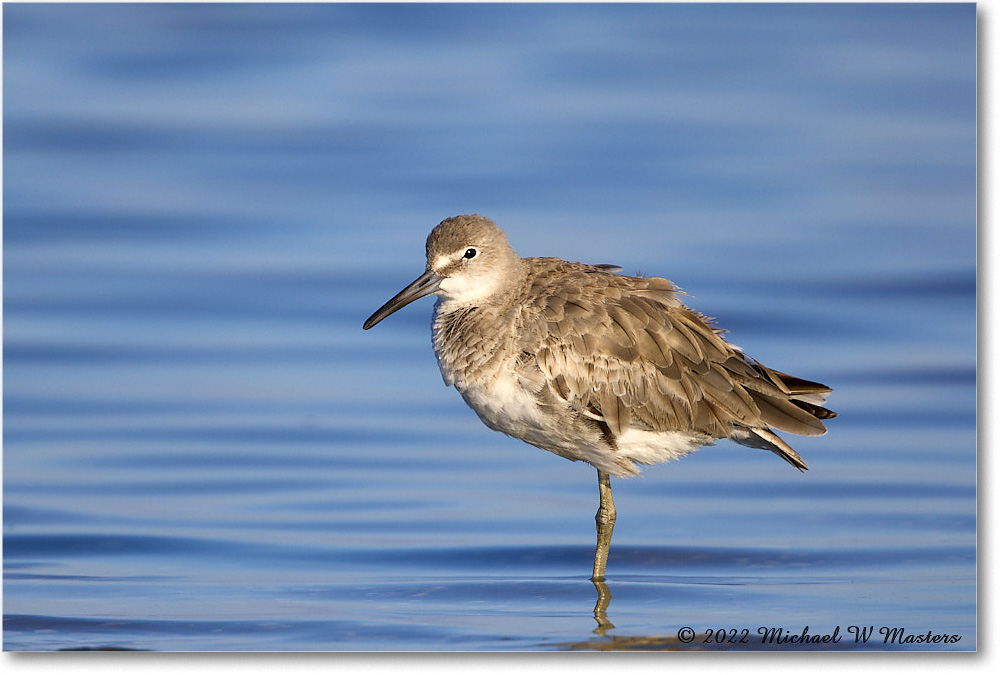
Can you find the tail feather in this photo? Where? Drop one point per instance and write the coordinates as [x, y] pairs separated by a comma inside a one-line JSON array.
[[787, 415], [788, 403], [819, 412], [797, 388], [765, 439]]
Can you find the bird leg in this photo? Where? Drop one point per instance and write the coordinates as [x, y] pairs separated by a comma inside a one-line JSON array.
[[605, 526]]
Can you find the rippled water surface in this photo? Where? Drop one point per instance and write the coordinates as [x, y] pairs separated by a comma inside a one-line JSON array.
[[204, 451]]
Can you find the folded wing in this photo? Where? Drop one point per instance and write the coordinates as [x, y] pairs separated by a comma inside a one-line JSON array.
[[627, 353]]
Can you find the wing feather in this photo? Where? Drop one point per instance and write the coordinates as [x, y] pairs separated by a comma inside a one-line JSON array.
[[625, 351]]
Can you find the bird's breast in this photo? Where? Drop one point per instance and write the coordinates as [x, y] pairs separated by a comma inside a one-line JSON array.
[[471, 344], [475, 354], [505, 404]]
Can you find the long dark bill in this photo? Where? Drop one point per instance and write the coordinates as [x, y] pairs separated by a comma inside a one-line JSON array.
[[426, 284]]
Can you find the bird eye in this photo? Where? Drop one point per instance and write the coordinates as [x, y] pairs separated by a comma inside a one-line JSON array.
[[470, 253]]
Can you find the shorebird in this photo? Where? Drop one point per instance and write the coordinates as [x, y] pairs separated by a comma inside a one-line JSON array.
[[595, 366]]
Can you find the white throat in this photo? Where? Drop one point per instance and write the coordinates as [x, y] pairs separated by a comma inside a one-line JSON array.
[[462, 290]]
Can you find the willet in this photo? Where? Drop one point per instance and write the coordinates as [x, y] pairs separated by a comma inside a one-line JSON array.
[[594, 366]]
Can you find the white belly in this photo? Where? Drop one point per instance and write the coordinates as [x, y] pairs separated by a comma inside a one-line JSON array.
[[507, 407], [653, 447]]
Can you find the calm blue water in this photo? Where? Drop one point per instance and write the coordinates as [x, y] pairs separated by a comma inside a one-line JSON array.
[[204, 451]]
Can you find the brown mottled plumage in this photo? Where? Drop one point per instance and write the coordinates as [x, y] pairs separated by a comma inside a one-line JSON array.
[[595, 366]]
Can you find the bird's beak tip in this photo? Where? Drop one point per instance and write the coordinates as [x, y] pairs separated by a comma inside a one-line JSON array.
[[426, 284]]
